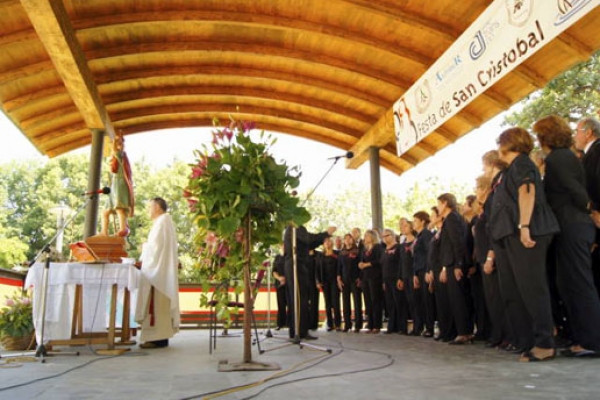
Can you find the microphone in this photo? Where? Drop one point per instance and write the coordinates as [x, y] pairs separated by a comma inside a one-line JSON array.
[[348, 155], [104, 190]]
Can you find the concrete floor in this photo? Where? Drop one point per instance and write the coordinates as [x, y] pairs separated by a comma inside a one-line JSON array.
[[359, 366]]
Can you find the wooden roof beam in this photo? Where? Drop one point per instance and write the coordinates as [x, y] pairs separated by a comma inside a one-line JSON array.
[[380, 135], [51, 22]]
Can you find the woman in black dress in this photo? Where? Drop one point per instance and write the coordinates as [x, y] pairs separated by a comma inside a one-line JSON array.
[[523, 224], [390, 263], [348, 277], [564, 184], [447, 331], [371, 280], [407, 309], [327, 281], [454, 273], [423, 300]]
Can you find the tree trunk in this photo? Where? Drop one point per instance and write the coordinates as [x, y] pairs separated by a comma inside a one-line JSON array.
[[247, 292]]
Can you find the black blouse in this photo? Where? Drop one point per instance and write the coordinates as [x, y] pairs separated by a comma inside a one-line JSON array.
[[421, 250], [504, 219], [348, 264], [407, 260], [372, 256], [390, 262]]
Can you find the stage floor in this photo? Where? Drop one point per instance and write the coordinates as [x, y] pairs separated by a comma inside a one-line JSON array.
[[359, 366]]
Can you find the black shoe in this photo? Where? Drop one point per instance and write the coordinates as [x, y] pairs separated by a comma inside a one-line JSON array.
[[583, 353], [309, 337], [329, 329], [427, 334]]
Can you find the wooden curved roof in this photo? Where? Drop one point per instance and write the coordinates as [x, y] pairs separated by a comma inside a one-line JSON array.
[[324, 70]]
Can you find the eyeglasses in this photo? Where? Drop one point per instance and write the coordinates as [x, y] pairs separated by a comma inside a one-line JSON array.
[[386, 235]]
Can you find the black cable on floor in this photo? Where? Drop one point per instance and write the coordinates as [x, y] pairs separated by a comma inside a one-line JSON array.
[[69, 370], [390, 362]]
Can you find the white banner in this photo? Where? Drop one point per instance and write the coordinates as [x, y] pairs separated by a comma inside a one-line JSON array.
[[505, 34]]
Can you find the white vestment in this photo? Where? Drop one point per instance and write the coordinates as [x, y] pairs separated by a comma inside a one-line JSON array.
[[159, 281]]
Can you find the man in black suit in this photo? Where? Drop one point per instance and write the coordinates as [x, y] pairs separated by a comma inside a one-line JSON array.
[[305, 242], [586, 139]]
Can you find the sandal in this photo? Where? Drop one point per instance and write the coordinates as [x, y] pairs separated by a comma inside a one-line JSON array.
[[528, 356]]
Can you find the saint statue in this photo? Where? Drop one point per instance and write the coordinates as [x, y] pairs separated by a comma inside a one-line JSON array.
[[121, 200]]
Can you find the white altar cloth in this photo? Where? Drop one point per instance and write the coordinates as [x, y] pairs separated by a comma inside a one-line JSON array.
[[96, 281]]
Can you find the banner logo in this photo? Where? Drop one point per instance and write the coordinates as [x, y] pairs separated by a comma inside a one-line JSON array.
[[568, 8], [423, 96], [519, 11]]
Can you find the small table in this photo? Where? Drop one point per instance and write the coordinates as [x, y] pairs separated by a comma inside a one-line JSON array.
[[76, 300]]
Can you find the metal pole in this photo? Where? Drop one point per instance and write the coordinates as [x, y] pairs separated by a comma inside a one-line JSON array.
[[376, 204], [296, 338]]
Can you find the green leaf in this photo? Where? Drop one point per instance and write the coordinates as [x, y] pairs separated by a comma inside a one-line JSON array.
[[228, 226]]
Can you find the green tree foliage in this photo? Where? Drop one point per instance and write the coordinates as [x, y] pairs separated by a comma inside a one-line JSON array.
[[351, 207], [572, 95], [30, 191]]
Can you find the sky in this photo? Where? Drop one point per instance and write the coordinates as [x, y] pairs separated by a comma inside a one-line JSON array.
[[459, 162]]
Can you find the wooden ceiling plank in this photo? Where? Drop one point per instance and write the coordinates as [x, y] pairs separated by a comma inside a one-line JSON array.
[[25, 71], [574, 45], [444, 32], [255, 110], [346, 33], [214, 92], [53, 27], [20, 37], [379, 99], [330, 59]]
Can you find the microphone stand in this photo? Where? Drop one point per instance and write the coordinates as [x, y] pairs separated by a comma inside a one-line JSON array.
[[41, 351], [297, 340]]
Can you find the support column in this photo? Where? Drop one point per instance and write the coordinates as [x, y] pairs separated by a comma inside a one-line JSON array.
[[95, 169], [376, 204]]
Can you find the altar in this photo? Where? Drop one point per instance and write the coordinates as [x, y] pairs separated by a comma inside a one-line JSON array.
[[81, 305]]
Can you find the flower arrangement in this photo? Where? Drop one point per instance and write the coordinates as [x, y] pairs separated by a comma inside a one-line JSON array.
[[241, 199], [16, 317]]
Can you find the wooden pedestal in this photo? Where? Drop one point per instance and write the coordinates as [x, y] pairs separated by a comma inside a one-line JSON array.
[[110, 248]]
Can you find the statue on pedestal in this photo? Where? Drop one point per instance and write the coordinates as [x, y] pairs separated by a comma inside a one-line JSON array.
[[121, 200]]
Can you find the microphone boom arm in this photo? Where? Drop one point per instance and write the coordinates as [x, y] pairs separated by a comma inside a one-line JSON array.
[[308, 196]]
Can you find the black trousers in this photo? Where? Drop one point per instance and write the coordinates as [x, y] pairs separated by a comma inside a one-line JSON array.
[[525, 285], [396, 305], [282, 305], [596, 262], [413, 309], [458, 292], [303, 299], [313, 305], [480, 311], [351, 292], [373, 291], [331, 293], [495, 307], [576, 283], [425, 303], [443, 310]]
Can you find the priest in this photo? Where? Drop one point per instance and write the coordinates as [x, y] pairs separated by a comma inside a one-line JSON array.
[[157, 308]]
